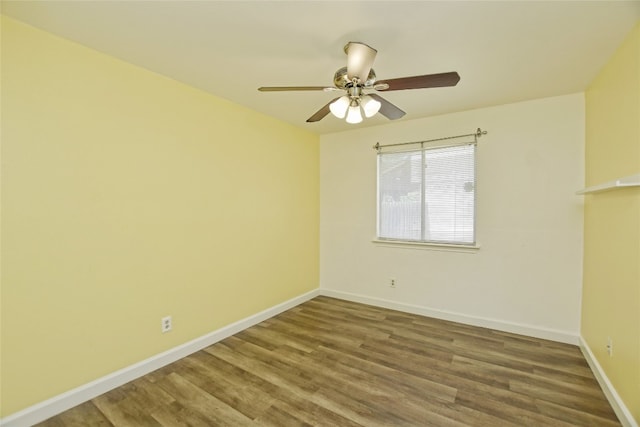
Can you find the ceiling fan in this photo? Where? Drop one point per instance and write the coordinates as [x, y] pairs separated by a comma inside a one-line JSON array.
[[357, 79]]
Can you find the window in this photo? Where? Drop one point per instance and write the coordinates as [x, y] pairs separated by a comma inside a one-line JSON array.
[[427, 195]]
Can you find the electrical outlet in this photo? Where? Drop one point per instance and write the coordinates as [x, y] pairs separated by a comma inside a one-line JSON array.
[[392, 283], [166, 324], [609, 346]]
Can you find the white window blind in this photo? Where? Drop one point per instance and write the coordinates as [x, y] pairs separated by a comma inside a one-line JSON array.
[[428, 195]]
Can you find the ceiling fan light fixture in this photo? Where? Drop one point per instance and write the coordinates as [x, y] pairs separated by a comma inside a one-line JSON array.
[[339, 106], [360, 59], [354, 116], [356, 78], [370, 106]]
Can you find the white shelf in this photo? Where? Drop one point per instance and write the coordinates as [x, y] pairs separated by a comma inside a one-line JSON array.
[[628, 181]]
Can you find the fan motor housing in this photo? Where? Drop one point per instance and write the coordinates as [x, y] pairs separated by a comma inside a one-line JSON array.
[[341, 80]]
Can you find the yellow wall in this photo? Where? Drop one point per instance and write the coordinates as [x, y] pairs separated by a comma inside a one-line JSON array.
[[127, 196], [611, 290]]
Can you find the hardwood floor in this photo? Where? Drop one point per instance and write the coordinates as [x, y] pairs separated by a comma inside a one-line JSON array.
[[330, 362]]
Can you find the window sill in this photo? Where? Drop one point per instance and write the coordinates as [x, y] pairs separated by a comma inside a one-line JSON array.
[[426, 246]]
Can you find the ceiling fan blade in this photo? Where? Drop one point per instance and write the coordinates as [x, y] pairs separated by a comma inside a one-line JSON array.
[[321, 113], [421, 82], [360, 59], [292, 88], [387, 109]]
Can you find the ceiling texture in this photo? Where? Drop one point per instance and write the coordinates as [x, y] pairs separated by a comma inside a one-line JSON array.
[[504, 51]]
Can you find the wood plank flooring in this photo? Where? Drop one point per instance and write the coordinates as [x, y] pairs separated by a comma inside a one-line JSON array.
[[330, 362]]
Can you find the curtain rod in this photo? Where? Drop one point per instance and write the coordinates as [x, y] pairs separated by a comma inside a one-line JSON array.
[[479, 132]]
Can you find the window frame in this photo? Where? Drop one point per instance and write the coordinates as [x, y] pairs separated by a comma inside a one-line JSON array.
[[421, 243]]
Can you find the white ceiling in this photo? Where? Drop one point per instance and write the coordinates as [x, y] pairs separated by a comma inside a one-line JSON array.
[[504, 51]]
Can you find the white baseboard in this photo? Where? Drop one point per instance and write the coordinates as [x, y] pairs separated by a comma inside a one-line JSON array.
[[621, 410], [50, 407], [516, 328]]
